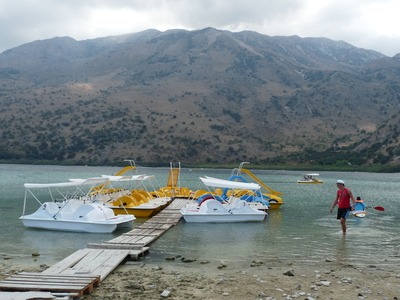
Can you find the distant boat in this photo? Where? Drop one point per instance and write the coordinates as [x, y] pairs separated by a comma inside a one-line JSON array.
[[73, 211], [310, 178]]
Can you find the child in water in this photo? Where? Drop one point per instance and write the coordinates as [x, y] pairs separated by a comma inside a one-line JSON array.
[[360, 205]]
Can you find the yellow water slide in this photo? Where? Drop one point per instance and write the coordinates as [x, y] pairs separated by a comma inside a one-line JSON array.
[[275, 197], [124, 170], [255, 178], [102, 188]]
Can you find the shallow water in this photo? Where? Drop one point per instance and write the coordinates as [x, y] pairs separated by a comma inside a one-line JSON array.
[[302, 231]]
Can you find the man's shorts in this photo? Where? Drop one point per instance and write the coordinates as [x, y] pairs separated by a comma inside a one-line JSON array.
[[343, 213]]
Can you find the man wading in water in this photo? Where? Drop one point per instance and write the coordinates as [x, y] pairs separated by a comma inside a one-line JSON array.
[[343, 196]]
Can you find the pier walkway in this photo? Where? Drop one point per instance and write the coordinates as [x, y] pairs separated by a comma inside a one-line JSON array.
[[83, 270]]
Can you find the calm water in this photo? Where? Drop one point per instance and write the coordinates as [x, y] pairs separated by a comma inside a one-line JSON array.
[[303, 230]]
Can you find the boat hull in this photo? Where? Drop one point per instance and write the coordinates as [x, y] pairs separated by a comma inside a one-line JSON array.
[[212, 211], [222, 218], [274, 205], [360, 213], [128, 205], [107, 226], [137, 212], [310, 182]]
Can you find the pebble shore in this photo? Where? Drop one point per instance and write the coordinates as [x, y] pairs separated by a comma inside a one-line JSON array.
[[188, 278]]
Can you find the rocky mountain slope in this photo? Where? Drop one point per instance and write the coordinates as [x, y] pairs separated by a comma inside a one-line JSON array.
[[199, 96]]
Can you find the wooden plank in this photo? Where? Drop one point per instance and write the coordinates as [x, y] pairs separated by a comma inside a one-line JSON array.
[[114, 246], [149, 231], [132, 239], [169, 215], [134, 250], [95, 279], [110, 260], [91, 261], [67, 262], [90, 255], [87, 264], [84, 265], [155, 221], [99, 262], [178, 203], [30, 282], [129, 239], [147, 240], [137, 240], [137, 231], [165, 219], [39, 282], [170, 211], [37, 277], [149, 225], [80, 290]]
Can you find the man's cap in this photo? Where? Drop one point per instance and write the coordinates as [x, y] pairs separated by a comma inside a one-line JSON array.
[[340, 181]]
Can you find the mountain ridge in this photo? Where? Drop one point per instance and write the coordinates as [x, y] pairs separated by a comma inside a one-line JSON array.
[[204, 96]]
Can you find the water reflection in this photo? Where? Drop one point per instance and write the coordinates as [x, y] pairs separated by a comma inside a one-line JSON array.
[[274, 220], [342, 251]]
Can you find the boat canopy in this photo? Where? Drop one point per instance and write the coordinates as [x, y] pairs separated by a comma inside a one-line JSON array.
[[126, 178], [312, 174], [71, 183], [222, 183]]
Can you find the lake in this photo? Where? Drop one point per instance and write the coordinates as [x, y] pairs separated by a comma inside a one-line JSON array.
[[302, 230]]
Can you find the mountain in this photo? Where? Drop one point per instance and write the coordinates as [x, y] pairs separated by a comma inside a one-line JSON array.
[[199, 96]]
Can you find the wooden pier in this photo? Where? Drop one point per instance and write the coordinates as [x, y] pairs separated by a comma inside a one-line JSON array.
[[84, 269]]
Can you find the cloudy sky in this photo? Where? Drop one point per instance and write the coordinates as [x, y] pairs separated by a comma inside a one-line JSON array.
[[369, 24]]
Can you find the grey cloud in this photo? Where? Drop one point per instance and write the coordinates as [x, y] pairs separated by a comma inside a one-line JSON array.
[[24, 21], [195, 14]]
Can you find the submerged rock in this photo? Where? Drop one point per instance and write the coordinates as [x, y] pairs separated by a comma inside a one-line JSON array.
[[221, 265], [204, 262], [289, 273], [188, 259], [256, 263]]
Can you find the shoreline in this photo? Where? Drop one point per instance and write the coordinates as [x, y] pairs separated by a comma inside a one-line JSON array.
[[184, 278], [377, 168]]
